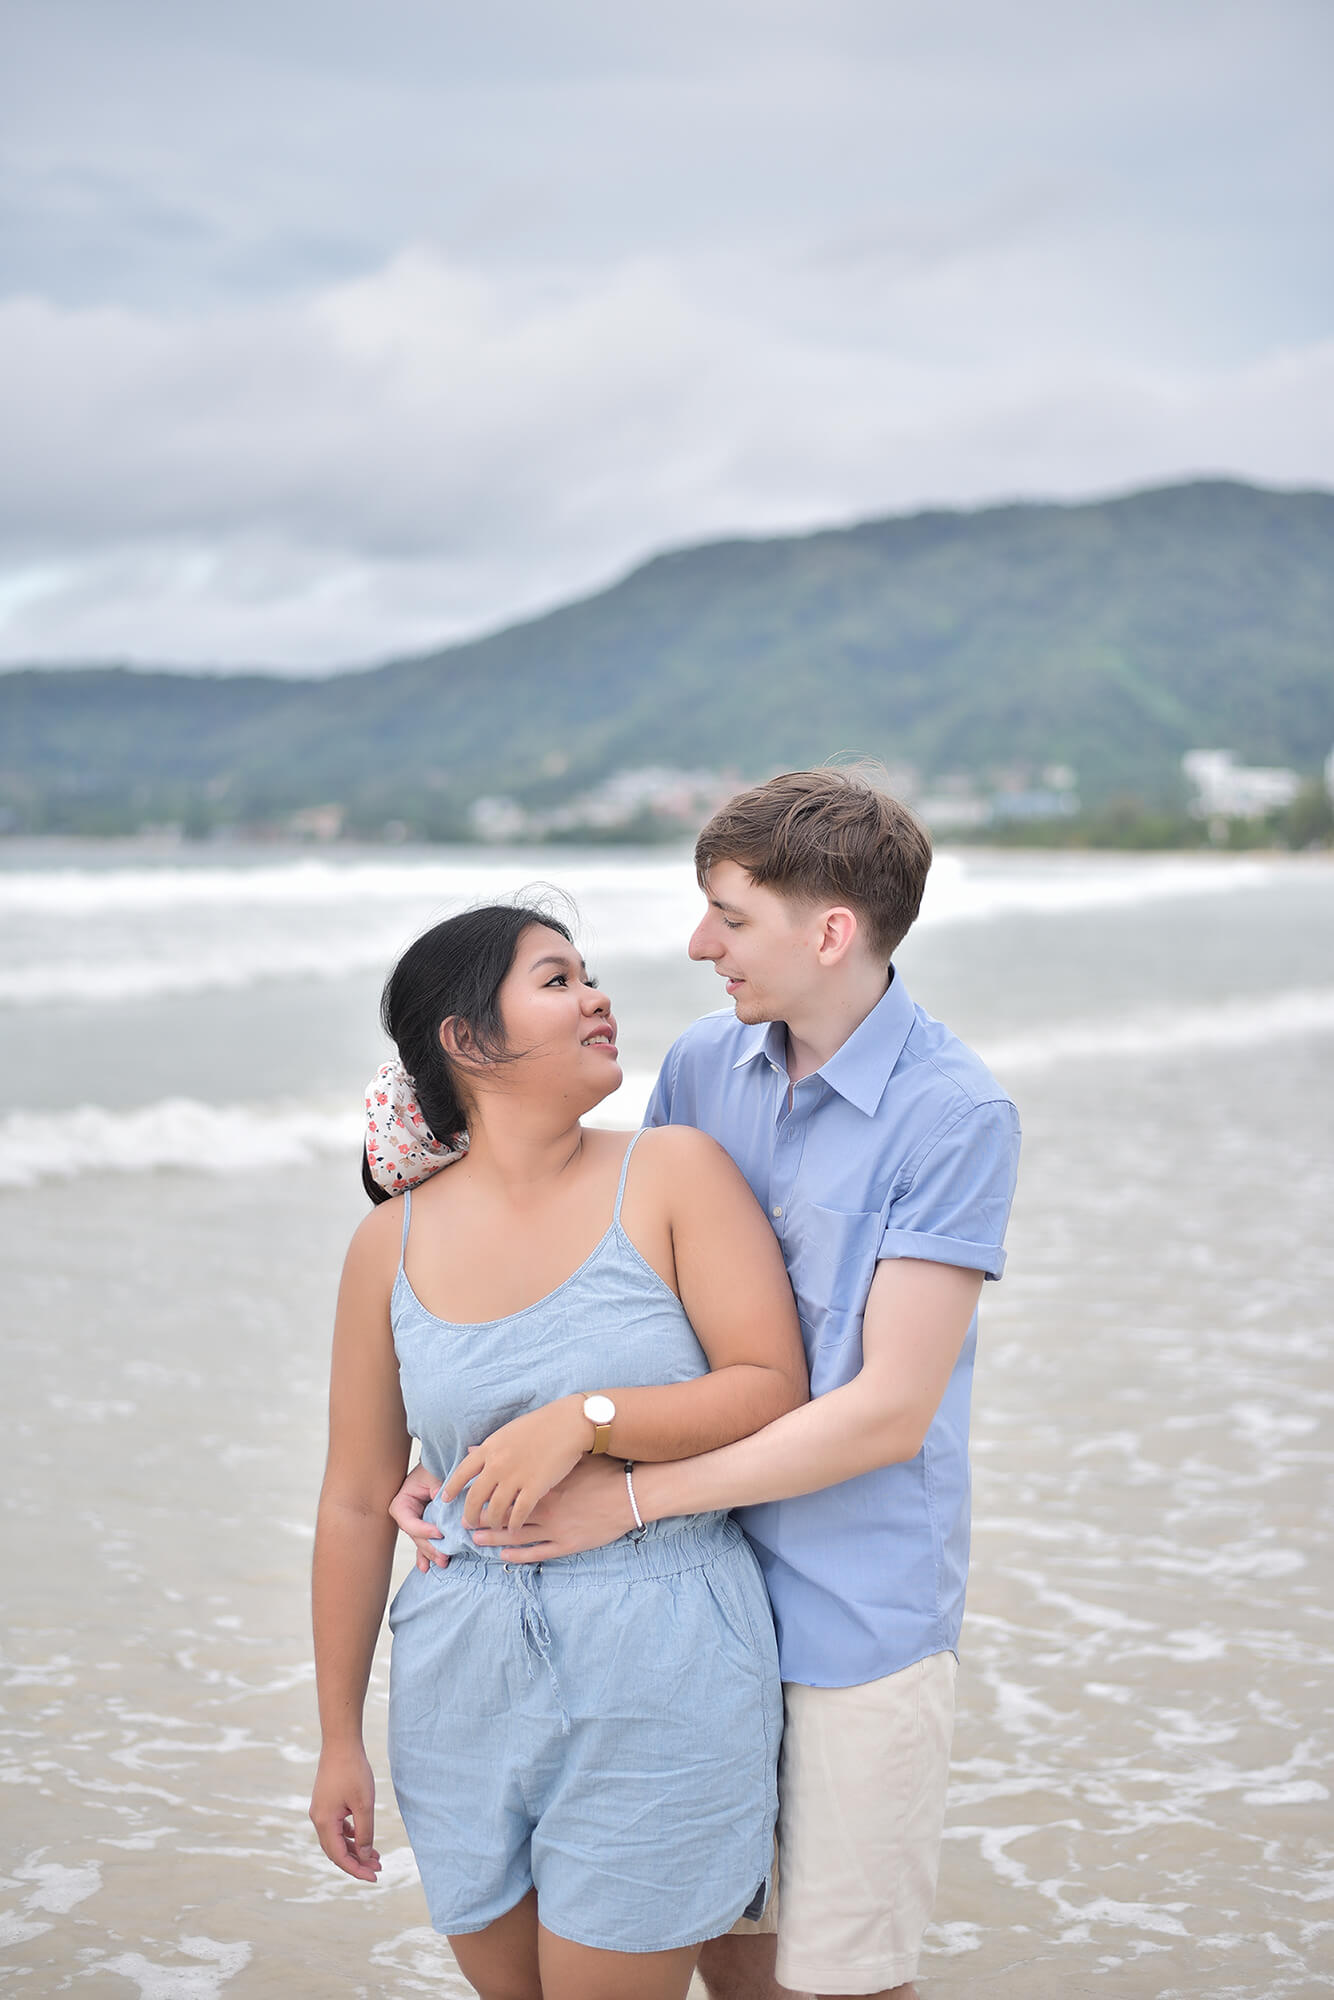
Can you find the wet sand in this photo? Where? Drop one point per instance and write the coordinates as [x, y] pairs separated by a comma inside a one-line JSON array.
[[1140, 1804]]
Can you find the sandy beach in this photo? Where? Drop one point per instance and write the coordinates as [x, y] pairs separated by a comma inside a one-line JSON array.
[[1140, 1804]]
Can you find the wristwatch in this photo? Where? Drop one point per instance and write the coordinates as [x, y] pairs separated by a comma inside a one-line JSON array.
[[601, 1413]]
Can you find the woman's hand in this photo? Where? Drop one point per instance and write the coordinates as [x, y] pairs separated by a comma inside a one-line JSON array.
[[342, 1811], [406, 1510], [519, 1464]]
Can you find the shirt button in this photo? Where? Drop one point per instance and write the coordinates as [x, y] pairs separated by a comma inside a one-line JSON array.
[[777, 1212]]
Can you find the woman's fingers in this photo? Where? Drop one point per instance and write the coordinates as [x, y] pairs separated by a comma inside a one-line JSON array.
[[354, 1858], [363, 1836], [467, 1468], [346, 1834], [406, 1510], [521, 1513], [490, 1501], [418, 1489], [479, 1494], [501, 1504]]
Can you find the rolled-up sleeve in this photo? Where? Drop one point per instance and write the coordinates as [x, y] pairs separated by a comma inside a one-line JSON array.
[[955, 1208]]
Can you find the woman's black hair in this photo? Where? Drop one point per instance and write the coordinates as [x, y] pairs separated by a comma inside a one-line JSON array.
[[456, 968]]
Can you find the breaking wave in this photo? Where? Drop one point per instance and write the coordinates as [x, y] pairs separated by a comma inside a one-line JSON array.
[[88, 935], [960, 886], [1232, 1024], [181, 1133]]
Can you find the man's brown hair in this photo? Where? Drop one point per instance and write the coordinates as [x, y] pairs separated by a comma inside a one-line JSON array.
[[830, 835]]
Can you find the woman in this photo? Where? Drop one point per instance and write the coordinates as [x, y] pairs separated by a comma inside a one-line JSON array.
[[584, 1752]]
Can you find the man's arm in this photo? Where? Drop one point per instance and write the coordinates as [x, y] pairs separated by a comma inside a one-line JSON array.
[[917, 1317]]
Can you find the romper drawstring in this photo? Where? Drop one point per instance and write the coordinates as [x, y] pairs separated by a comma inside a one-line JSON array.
[[535, 1632]]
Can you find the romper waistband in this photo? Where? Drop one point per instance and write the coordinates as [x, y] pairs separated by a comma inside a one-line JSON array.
[[666, 1548]]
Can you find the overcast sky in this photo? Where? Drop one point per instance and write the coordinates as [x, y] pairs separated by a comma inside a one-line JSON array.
[[330, 331]]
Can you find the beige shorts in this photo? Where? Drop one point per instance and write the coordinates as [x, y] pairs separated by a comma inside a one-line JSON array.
[[861, 1789]]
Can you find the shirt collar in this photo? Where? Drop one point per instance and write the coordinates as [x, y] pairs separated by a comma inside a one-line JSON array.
[[764, 1037], [860, 1069]]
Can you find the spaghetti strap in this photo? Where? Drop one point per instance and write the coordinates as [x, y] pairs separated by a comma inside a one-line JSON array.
[[625, 1168], [406, 1199]]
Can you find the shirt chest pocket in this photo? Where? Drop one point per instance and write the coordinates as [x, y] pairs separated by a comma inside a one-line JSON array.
[[834, 1265]]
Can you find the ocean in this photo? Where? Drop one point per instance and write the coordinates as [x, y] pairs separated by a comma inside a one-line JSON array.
[[1140, 1803]]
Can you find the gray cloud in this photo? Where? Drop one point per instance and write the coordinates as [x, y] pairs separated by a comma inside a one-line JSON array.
[[323, 345]]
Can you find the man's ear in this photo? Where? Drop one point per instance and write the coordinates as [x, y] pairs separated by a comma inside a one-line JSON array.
[[838, 935]]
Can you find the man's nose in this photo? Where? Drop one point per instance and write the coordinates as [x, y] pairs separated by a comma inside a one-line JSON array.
[[703, 944]]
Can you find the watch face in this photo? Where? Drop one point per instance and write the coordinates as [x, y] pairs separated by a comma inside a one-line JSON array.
[[599, 1409]]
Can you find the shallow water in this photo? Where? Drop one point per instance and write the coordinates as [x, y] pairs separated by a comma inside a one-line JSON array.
[[1140, 1802]]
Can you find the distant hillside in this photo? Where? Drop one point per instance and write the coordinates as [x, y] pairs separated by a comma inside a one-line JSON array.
[[1109, 637]]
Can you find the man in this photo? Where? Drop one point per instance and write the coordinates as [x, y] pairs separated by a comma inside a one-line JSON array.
[[884, 1155]]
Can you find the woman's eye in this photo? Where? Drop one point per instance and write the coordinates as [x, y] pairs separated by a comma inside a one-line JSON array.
[[561, 979], [591, 980]]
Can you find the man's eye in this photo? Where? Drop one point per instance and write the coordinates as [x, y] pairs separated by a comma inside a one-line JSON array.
[[728, 925]]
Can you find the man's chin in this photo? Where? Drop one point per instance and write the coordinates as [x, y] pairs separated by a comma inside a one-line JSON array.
[[749, 1011]]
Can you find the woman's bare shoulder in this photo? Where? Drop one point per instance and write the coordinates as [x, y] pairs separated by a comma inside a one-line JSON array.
[[377, 1238], [675, 1149]]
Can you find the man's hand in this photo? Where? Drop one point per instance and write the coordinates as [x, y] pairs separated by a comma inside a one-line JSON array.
[[407, 1507], [588, 1509]]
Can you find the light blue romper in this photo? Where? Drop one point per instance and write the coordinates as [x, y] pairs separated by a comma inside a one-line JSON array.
[[606, 1725]]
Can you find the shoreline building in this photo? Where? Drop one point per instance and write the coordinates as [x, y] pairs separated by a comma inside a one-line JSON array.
[[1225, 789]]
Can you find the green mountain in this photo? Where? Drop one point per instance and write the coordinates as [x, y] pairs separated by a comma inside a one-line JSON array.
[[1109, 637]]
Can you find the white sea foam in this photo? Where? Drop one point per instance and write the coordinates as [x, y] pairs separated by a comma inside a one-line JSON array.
[[221, 1963], [180, 1132], [177, 930], [316, 884], [15, 1929], [58, 1888], [162, 972], [181, 930], [177, 1132], [962, 890], [91, 936], [1232, 1024], [959, 886]]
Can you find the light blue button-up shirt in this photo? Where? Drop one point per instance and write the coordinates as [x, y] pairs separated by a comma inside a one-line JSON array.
[[902, 1145]]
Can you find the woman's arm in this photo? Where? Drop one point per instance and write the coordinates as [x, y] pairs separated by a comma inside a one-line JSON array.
[[354, 1540], [731, 1281]]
